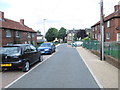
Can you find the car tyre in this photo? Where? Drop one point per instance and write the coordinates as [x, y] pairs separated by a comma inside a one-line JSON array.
[[26, 66]]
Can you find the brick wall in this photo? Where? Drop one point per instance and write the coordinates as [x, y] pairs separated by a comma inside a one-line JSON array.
[[13, 39], [115, 22]]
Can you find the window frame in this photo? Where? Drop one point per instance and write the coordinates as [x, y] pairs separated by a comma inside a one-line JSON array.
[[29, 36], [108, 24], [108, 35], [17, 34], [118, 36], [33, 34], [8, 32]]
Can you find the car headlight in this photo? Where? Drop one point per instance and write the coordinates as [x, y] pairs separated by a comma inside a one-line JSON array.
[[47, 49]]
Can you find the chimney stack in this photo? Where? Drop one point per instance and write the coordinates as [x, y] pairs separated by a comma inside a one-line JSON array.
[[1, 15], [22, 21], [116, 7]]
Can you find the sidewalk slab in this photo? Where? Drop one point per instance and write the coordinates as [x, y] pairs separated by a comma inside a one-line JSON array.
[[105, 73]]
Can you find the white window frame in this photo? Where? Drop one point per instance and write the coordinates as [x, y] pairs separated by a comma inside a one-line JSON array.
[[108, 24], [108, 35], [96, 28], [29, 35], [96, 36], [17, 34], [8, 33], [33, 34], [118, 36], [93, 29]]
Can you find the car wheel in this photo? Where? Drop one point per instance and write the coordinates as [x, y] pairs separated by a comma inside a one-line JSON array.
[[26, 66], [41, 58]]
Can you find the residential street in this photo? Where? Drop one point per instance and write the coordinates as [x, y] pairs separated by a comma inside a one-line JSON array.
[[65, 69]]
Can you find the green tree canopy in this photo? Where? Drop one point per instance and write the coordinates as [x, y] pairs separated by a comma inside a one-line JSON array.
[[51, 34], [81, 33], [39, 32], [62, 33]]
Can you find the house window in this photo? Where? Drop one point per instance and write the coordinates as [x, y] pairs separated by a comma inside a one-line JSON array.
[[96, 36], [108, 35], [99, 37], [108, 23], [33, 35], [118, 36], [17, 34], [93, 36], [95, 27], [8, 33], [28, 35]]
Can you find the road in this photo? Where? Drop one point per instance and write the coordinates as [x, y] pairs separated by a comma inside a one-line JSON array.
[[9, 76], [65, 69]]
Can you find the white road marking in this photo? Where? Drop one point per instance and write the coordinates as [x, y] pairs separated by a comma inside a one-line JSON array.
[[31, 69], [99, 84]]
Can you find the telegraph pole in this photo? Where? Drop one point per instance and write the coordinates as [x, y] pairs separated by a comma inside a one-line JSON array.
[[102, 31]]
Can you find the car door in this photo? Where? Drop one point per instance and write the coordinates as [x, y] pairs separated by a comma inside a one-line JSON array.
[[35, 53], [27, 54]]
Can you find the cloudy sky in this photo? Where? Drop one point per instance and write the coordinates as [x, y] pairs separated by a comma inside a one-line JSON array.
[[78, 14]]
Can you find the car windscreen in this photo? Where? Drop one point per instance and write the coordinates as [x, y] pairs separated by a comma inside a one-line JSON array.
[[45, 45], [9, 50]]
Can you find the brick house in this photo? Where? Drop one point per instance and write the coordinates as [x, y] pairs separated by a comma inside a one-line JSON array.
[[70, 35], [111, 25], [12, 32]]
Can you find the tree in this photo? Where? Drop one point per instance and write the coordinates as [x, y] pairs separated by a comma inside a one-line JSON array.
[[38, 32], [51, 34], [81, 33], [75, 37], [62, 33]]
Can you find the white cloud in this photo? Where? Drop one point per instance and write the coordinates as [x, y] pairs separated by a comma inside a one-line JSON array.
[[59, 13]]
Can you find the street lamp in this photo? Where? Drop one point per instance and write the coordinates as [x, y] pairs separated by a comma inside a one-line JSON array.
[[44, 27]]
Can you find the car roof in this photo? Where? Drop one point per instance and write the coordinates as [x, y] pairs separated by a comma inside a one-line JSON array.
[[18, 45], [47, 43]]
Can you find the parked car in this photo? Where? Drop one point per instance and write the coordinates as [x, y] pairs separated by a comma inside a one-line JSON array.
[[47, 48], [77, 43], [20, 56]]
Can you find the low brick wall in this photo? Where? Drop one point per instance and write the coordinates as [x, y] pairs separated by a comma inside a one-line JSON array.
[[108, 59]]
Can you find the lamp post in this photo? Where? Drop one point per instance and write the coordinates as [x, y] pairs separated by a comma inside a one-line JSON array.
[[44, 27]]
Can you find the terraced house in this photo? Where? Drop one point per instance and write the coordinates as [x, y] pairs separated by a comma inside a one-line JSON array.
[[111, 25], [12, 32]]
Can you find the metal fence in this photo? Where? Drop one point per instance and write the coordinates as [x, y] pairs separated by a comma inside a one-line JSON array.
[[110, 48]]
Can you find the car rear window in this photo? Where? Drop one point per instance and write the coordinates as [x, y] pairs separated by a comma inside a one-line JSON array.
[[45, 45], [9, 50]]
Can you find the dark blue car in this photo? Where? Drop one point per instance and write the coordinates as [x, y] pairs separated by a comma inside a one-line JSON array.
[[47, 48]]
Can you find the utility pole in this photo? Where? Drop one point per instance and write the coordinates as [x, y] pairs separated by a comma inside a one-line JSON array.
[[102, 31]]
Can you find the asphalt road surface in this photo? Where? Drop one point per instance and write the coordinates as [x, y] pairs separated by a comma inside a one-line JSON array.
[[9, 76], [65, 69]]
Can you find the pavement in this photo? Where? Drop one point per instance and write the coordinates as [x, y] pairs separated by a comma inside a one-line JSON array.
[[104, 73]]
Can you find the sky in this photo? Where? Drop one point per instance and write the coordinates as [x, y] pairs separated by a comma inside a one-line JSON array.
[[77, 14]]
